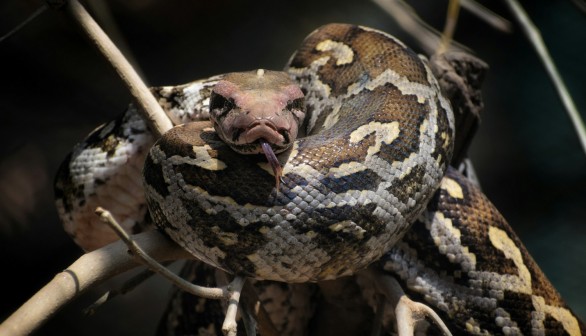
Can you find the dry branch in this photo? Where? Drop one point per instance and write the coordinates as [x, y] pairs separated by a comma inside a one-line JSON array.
[[408, 313], [494, 20], [89, 270], [26, 21], [532, 33], [152, 111], [230, 292], [144, 257], [450, 26], [428, 38]]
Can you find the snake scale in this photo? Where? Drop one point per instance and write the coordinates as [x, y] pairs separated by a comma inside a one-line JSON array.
[[364, 183]]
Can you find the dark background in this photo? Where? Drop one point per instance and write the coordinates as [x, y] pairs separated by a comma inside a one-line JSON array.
[[55, 89]]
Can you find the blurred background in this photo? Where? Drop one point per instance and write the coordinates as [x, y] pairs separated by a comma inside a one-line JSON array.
[[55, 89]]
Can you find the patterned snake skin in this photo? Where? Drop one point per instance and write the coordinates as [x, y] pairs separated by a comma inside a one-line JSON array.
[[376, 142], [376, 148], [465, 261]]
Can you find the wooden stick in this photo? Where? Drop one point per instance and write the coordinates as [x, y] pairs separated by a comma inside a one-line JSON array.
[[536, 40], [149, 107], [88, 271]]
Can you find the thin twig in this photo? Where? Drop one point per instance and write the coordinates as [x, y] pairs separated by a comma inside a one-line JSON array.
[[89, 270], [31, 17], [536, 40], [496, 21], [229, 327], [450, 26], [580, 4], [251, 301], [409, 21], [152, 111], [407, 312], [205, 292], [231, 292], [128, 286], [251, 305], [103, 14], [248, 319]]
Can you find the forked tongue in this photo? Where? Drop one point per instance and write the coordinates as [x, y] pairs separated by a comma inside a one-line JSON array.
[[272, 158]]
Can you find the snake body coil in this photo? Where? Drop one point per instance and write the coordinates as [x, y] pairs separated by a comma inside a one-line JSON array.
[[378, 142], [375, 144]]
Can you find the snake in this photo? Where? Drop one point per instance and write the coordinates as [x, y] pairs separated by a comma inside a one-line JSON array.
[[339, 163]]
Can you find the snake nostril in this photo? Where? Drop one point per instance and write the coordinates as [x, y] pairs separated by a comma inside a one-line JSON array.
[[285, 134], [263, 123]]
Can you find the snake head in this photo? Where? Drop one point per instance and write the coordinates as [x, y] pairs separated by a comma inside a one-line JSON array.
[[252, 109]]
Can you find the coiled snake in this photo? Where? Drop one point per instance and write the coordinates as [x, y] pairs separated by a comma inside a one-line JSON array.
[[374, 146]]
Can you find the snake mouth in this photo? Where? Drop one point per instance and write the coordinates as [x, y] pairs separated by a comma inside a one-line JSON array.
[[263, 130], [263, 136], [258, 134]]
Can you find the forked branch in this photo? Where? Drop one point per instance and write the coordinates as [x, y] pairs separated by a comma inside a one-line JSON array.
[[231, 292], [408, 313], [205, 292], [89, 270]]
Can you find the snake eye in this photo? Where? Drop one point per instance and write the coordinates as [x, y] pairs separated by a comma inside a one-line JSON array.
[[296, 104], [220, 105]]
